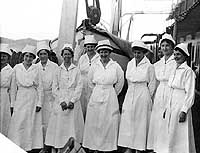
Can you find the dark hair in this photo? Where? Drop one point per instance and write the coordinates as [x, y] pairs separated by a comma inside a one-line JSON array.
[[182, 52], [140, 49], [95, 44], [169, 42], [30, 53], [48, 52], [110, 51], [110, 48], [69, 49], [6, 54]]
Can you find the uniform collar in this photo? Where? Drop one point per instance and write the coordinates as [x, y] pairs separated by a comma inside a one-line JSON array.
[[72, 66], [183, 66], [109, 63], [169, 59], [48, 62], [30, 68], [94, 57], [6, 67], [143, 61]]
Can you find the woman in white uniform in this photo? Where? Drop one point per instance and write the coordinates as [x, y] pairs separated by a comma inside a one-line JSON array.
[[47, 71], [163, 69], [26, 101], [178, 114], [102, 120], [6, 77], [66, 119], [137, 105], [84, 64]]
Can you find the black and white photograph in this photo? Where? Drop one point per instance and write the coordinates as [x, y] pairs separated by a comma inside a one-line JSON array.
[[100, 76]]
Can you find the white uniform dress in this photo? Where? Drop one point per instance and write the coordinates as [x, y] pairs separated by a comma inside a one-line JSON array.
[[84, 65], [6, 77], [47, 73], [163, 69], [67, 86], [137, 105], [182, 86], [102, 119], [26, 93]]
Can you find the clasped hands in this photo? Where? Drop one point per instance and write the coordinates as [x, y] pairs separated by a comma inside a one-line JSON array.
[[64, 105], [182, 117]]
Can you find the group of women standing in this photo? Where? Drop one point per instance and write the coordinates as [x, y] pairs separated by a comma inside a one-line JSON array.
[[50, 103], [156, 113], [171, 129]]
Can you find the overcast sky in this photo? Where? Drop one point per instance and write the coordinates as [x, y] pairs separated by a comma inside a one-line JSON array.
[[40, 19]]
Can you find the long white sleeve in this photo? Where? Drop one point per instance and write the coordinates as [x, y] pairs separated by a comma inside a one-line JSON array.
[[90, 78], [190, 91], [152, 80], [79, 87], [13, 89], [120, 80], [55, 86], [40, 89]]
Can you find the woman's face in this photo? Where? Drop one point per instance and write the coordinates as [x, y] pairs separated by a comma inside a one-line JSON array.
[[104, 54], [28, 58], [43, 55], [4, 58], [89, 48], [138, 54], [67, 55], [166, 48], [179, 57]]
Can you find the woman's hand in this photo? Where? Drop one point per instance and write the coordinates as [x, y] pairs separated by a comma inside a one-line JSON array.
[[71, 105], [11, 110], [64, 105], [164, 114], [38, 108], [182, 117]]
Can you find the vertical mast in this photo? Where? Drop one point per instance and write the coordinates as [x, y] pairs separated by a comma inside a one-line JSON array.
[[68, 24], [115, 16]]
